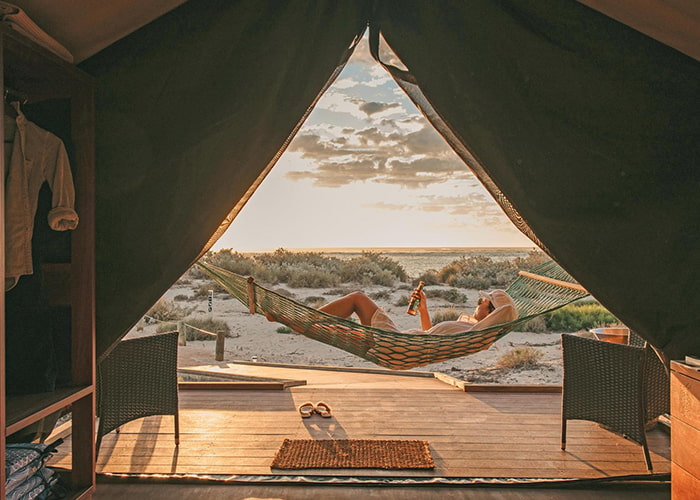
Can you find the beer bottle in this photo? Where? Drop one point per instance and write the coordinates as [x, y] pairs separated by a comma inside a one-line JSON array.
[[415, 301]]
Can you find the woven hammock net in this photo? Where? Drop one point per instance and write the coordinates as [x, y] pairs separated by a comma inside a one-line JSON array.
[[542, 290]]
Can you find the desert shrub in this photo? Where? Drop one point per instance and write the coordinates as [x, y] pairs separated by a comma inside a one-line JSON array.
[[402, 301], [314, 301], [309, 277], [203, 289], [534, 258], [477, 272], [429, 277], [384, 278], [451, 295], [285, 258], [166, 327], [483, 272], [180, 298], [337, 291], [380, 295], [386, 264], [372, 269], [284, 329], [535, 325], [283, 291], [520, 357], [316, 270], [308, 269], [209, 324], [579, 316], [234, 261], [445, 314], [165, 310]]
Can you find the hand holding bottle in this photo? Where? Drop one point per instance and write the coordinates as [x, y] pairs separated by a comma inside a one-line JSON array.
[[417, 296]]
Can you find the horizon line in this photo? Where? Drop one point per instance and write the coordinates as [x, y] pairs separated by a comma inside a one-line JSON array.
[[394, 249]]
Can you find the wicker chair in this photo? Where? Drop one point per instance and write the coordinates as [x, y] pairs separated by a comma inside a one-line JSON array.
[[619, 386], [138, 379]]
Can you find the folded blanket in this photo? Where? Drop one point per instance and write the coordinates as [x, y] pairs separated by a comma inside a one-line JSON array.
[[18, 20]]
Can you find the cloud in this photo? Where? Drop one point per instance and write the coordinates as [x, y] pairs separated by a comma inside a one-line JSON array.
[[336, 174], [371, 136], [345, 83], [373, 108], [383, 154], [477, 205]]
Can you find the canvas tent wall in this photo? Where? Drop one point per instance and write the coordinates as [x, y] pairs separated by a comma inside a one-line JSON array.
[[584, 129]]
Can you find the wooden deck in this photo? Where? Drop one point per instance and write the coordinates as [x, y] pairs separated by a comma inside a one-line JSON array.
[[471, 434]]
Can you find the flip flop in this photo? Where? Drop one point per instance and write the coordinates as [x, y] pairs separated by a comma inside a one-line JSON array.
[[323, 409], [306, 410]]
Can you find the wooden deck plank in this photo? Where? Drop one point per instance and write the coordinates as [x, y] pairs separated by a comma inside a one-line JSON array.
[[480, 434]]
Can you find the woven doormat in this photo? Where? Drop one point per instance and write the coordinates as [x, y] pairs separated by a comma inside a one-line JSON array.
[[353, 454]]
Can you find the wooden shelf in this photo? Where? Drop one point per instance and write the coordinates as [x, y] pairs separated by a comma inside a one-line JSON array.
[[43, 76], [27, 409]]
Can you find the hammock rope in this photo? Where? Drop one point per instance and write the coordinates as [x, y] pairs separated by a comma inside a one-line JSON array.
[[544, 289]]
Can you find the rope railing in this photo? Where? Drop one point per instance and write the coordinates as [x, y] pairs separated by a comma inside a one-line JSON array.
[[182, 327], [219, 335]]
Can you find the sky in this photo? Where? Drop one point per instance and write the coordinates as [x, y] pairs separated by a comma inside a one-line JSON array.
[[367, 170]]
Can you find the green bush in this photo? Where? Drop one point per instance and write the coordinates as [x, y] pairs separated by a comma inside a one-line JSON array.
[[284, 329], [579, 316]]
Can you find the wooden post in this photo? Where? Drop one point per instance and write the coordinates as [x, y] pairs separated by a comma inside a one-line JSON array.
[[220, 336], [251, 294], [182, 335], [553, 281]]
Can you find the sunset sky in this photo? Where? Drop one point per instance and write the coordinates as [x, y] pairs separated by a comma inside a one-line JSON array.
[[368, 170]]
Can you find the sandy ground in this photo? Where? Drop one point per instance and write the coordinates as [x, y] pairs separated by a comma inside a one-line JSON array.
[[255, 339]]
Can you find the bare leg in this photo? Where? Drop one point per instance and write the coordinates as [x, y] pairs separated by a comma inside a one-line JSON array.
[[355, 302]]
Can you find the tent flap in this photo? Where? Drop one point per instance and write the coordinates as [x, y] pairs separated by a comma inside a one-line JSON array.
[[584, 130], [191, 111]]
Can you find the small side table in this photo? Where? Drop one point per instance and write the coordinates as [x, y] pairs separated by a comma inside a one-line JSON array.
[[685, 433]]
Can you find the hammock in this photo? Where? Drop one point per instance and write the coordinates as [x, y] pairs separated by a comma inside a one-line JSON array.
[[544, 289]]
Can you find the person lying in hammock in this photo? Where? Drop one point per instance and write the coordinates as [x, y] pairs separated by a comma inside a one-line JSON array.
[[493, 307]]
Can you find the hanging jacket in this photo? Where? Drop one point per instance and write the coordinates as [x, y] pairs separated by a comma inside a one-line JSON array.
[[37, 156]]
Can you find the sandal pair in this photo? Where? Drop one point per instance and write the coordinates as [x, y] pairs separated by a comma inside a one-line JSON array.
[[308, 409]]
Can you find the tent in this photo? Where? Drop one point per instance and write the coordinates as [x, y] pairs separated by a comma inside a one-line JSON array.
[[583, 128]]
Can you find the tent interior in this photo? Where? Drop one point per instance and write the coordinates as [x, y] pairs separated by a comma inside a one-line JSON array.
[[581, 118], [583, 128]]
